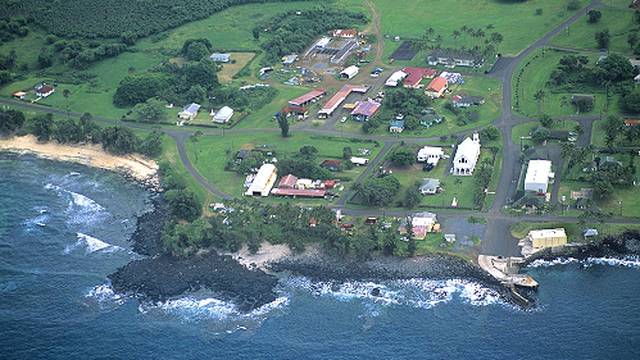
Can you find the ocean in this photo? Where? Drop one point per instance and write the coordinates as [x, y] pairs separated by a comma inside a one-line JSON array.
[[65, 227]]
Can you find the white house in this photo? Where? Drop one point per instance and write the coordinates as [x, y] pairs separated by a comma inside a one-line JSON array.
[[220, 57], [395, 78], [538, 176], [44, 90], [466, 157], [223, 115], [430, 154], [263, 181], [349, 72], [423, 223], [429, 186], [189, 112], [359, 161]]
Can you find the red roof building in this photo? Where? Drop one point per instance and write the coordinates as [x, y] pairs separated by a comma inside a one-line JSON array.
[[437, 87], [297, 110], [337, 99], [308, 97], [333, 165], [310, 193], [365, 109], [288, 182], [631, 122], [415, 76], [345, 33], [329, 184], [44, 90]]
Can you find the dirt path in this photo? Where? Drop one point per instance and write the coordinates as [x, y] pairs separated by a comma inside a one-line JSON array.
[[377, 31]]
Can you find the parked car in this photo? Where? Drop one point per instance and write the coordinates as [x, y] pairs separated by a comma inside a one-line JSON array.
[[343, 120], [428, 167]]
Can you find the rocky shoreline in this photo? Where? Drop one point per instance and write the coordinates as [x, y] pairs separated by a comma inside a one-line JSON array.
[[625, 244]]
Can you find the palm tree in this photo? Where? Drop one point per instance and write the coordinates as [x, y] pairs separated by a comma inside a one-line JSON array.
[[539, 97], [456, 34], [66, 93]]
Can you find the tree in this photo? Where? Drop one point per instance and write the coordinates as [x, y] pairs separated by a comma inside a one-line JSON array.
[[594, 16], [283, 123], [603, 38], [411, 244], [41, 126], [540, 135], [202, 73], [196, 94], [615, 68], [183, 204], [150, 111], [67, 131], [539, 97], [402, 157], [308, 152], [546, 121], [10, 121], [5, 77], [573, 5], [490, 133], [412, 197], [66, 93], [151, 145], [196, 49], [379, 191], [119, 140], [631, 102], [613, 127], [45, 59], [602, 187], [347, 153]]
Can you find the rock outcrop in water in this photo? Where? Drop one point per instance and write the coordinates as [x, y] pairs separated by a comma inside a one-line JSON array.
[[165, 276], [162, 276]]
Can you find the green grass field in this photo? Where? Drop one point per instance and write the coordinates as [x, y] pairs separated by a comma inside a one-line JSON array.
[[229, 29], [534, 73], [517, 21], [209, 154], [582, 34]]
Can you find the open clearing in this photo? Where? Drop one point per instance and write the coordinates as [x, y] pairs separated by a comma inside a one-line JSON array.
[[240, 60]]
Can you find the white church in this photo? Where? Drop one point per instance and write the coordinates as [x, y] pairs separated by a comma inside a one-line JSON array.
[[466, 156]]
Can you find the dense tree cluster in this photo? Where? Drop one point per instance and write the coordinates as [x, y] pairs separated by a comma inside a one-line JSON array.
[[379, 190], [12, 28], [303, 164], [115, 139], [124, 19], [291, 32], [397, 101]]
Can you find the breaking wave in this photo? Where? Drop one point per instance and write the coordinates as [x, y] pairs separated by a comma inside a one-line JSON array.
[[104, 295], [626, 261], [91, 245], [417, 293], [81, 208]]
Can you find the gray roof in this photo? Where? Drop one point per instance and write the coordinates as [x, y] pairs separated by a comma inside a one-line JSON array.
[[223, 57], [429, 184], [456, 54], [192, 108]]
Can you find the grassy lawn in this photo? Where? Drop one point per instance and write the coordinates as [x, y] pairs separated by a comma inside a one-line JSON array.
[[229, 70], [459, 187], [533, 74], [517, 21], [488, 87], [573, 230], [209, 154], [170, 154], [581, 35], [263, 118], [27, 48], [229, 29]]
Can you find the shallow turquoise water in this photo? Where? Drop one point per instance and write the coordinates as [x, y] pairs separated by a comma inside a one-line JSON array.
[[63, 228]]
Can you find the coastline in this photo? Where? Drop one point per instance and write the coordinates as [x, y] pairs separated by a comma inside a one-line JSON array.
[[133, 166]]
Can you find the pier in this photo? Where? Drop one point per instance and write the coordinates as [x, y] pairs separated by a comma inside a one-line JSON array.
[[505, 270]]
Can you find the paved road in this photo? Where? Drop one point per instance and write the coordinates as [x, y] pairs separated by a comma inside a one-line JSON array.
[[497, 239]]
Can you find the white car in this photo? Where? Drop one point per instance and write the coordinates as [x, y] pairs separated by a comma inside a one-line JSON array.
[[343, 120]]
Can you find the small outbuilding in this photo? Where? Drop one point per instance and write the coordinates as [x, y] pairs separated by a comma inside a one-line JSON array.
[[430, 186], [349, 72], [189, 112], [220, 57], [223, 115]]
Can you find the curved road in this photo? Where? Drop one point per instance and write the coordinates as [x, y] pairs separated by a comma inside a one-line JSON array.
[[497, 239]]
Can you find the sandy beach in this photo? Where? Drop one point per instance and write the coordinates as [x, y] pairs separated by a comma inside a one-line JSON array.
[[136, 166]]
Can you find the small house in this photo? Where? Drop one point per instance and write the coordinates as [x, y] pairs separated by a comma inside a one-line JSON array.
[[223, 115], [349, 72], [437, 87], [423, 223], [19, 95], [465, 101], [189, 112], [331, 165], [220, 57], [289, 59], [44, 90], [429, 186], [396, 126], [547, 238], [430, 154], [359, 161], [430, 118], [395, 78]]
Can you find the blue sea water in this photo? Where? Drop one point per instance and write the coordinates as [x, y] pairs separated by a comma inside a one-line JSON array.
[[64, 227]]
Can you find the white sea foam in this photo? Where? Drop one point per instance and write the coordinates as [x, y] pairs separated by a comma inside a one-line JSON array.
[[81, 209], [194, 308], [627, 261], [91, 245], [418, 293], [105, 295]]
